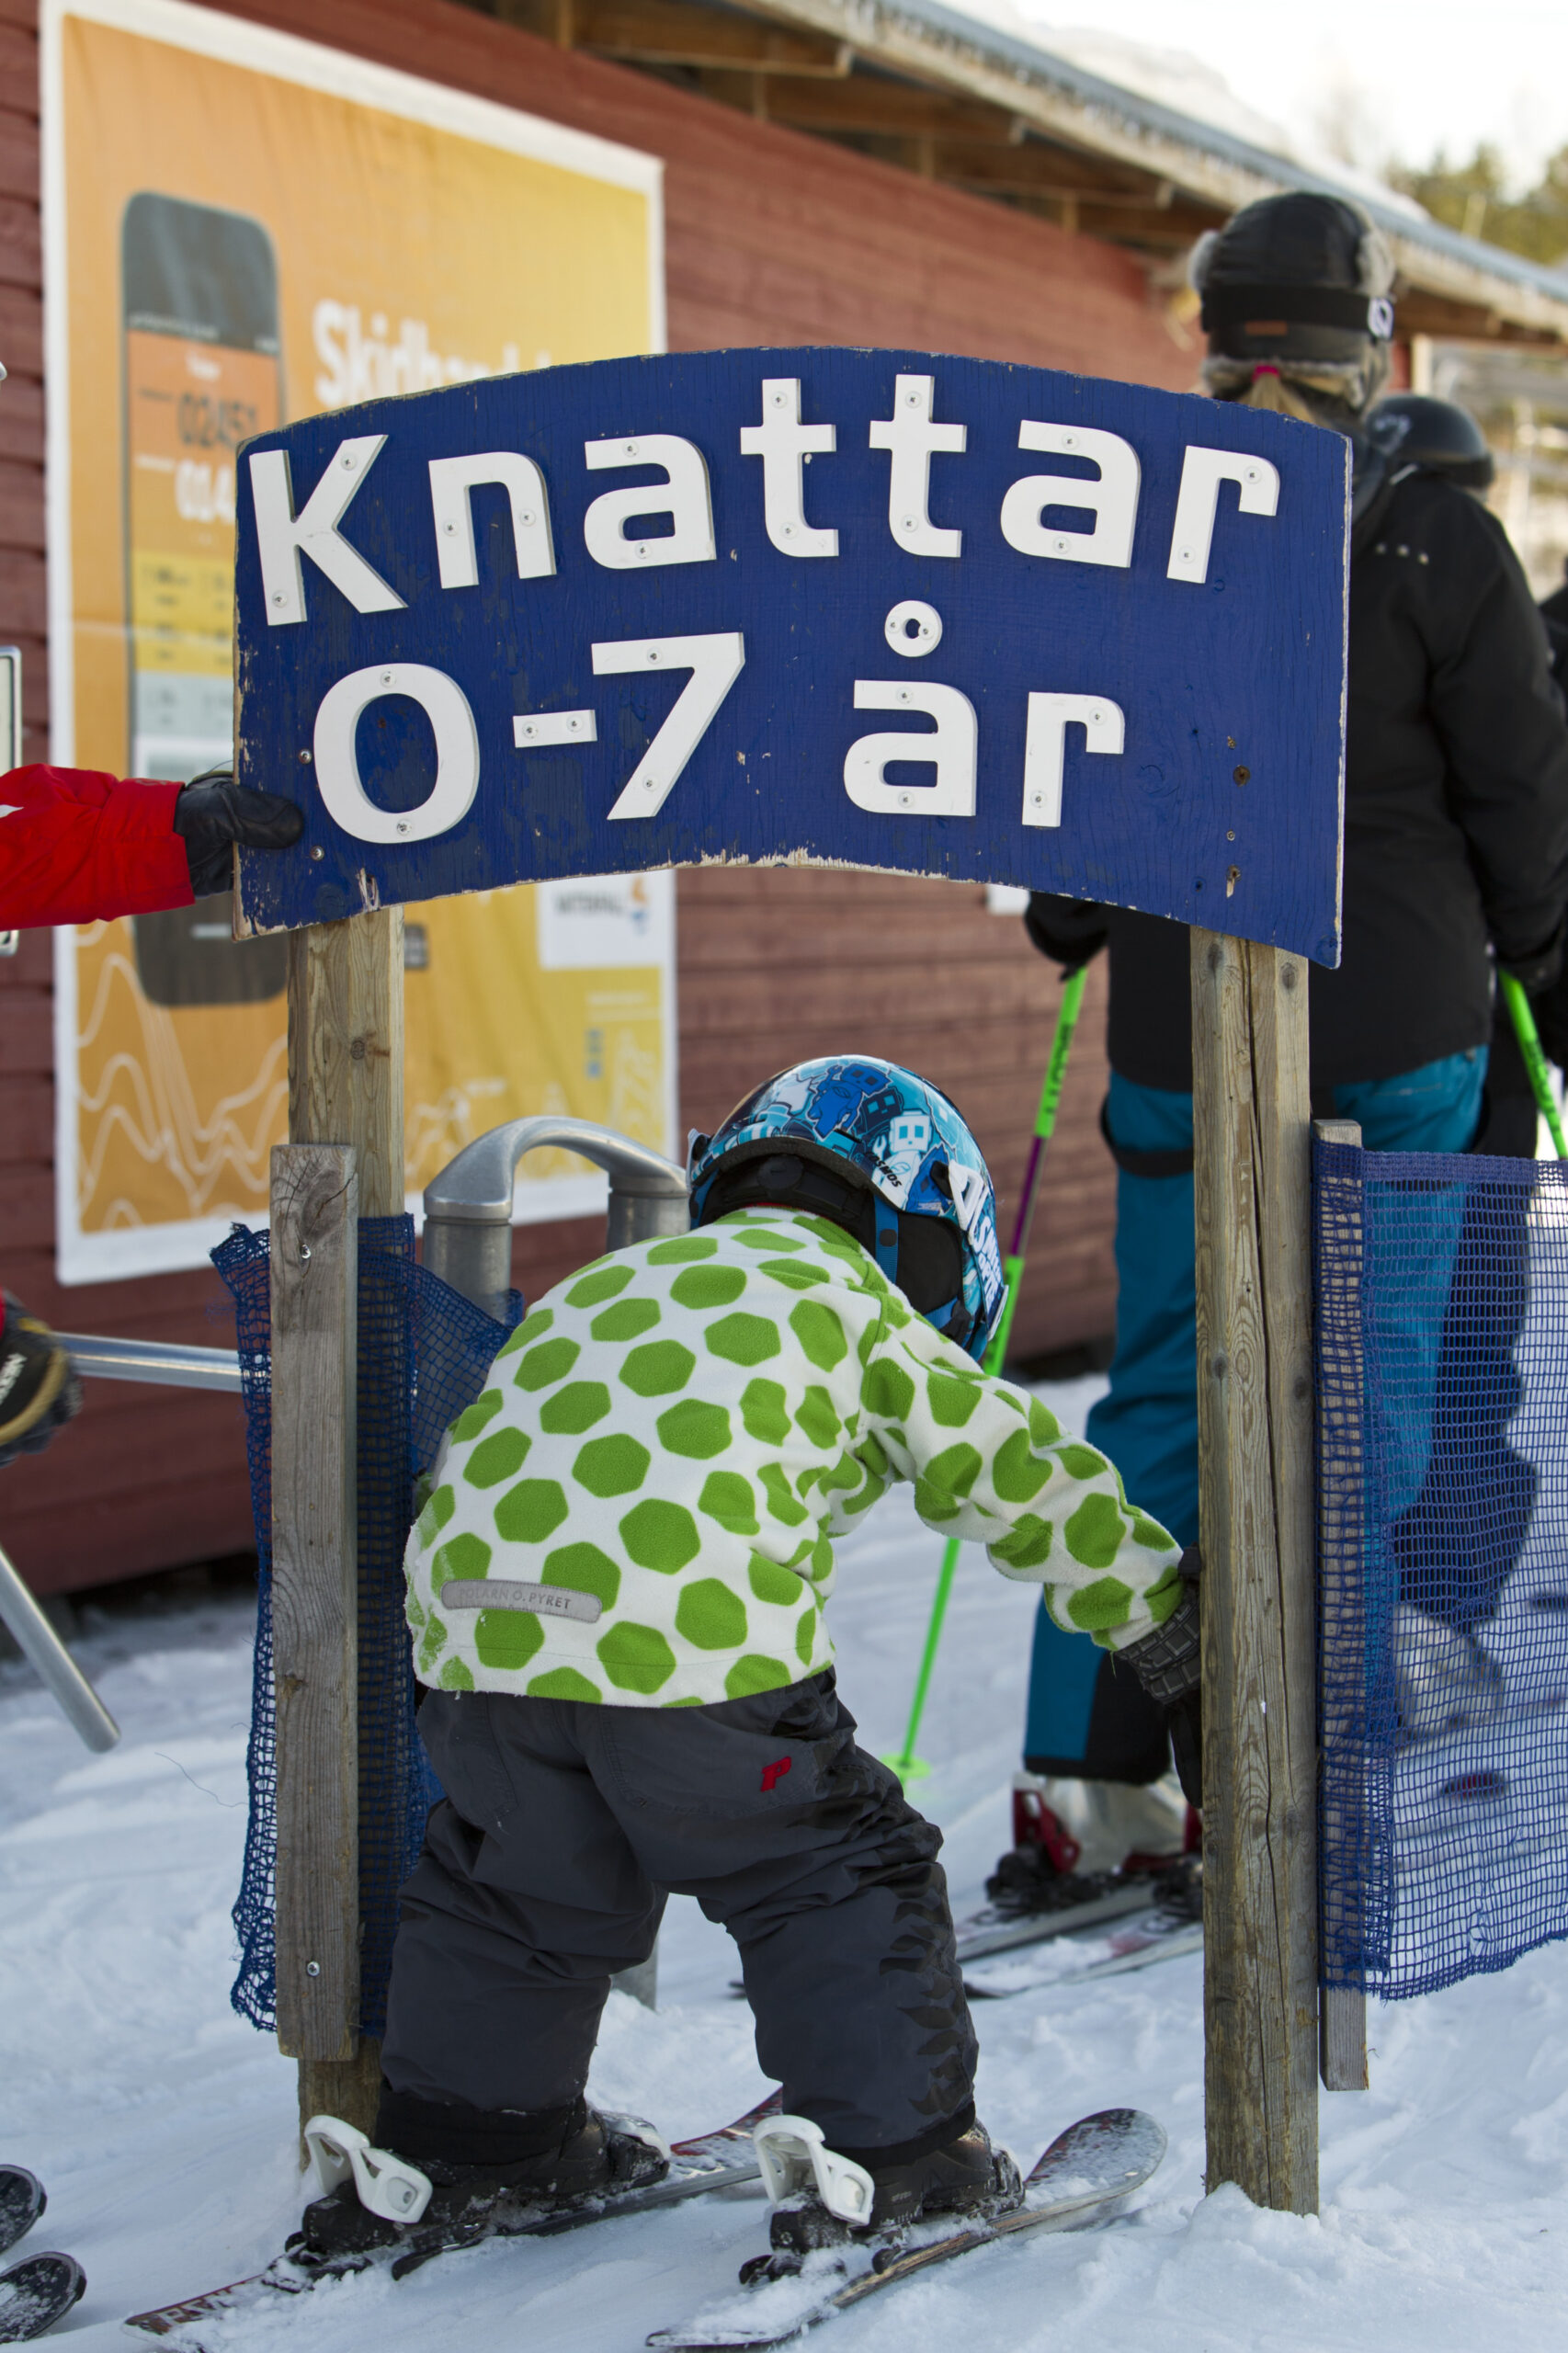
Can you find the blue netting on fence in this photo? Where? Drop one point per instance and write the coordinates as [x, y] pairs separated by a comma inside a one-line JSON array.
[[424, 1351], [1442, 1345]]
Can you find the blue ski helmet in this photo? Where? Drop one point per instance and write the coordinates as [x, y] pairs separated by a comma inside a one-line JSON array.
[[884, 1154]]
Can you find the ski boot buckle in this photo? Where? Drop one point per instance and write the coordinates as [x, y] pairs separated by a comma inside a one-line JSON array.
[[793, 2154], [387, 2186]]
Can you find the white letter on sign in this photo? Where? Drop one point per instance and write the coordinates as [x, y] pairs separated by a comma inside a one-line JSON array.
[[715, 664], [1113, 500], [1202, 472], [1105, 730], [684, 495], [781, 442], [951, 745], [281, 534], [914, 441], [337, 763], [452, 478]]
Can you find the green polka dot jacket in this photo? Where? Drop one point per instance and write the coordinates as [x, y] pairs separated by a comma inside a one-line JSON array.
[[670, 1443]]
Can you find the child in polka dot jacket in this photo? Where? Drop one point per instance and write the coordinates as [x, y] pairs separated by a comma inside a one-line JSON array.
[[617, 1594]]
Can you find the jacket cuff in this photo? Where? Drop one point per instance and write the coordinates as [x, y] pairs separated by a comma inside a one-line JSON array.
[[139, 818]]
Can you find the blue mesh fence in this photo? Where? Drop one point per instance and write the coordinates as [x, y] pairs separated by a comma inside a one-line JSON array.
[[1442, 1351], [424, 1351]]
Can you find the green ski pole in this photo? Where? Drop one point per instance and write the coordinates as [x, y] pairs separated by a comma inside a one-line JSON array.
[[906, 1764], [1525, 1030]]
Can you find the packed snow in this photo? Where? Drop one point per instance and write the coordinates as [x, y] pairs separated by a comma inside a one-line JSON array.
[[164, 2126]]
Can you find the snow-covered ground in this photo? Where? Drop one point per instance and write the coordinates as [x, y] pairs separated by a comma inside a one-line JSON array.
[[164, 2126]]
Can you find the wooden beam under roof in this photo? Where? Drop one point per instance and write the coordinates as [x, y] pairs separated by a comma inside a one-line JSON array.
[[863, 103], [679, 32], [1032, 165]]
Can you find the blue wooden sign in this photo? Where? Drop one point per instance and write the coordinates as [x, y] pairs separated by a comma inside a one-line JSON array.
[[870, 608]]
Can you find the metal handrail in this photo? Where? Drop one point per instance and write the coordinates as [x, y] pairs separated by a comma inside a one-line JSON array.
[[46, 1655], [468, 1208], [168, 1364]]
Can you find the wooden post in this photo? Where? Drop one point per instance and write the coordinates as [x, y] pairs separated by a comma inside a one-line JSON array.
[[345, 1048], [315, 1647], [1254, 1408], [1342, 2009], [346, 1088]]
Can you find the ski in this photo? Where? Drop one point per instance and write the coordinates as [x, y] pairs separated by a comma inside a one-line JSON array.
[[1150, 1931], [1137, 1943], [22, 2201], [719, 2160], [993, 1931], [1086, 2176], [36, 2293]]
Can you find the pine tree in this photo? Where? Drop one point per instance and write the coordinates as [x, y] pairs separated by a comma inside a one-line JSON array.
[[1474, 198]]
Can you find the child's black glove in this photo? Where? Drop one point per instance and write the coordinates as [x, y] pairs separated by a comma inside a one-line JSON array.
[[1168, 1663]]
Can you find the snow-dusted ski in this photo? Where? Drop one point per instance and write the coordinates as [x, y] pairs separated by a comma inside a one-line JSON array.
[[990, 1930], [37, 2293], [22, 2201], [725, 2159], [1086, 2175], [1137, 1942]]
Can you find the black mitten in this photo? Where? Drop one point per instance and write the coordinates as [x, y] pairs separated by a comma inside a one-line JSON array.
[[214, 812], [1169, 1665]]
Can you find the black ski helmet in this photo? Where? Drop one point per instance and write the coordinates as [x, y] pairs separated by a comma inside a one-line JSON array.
[[1300, 277], [1414, 429]]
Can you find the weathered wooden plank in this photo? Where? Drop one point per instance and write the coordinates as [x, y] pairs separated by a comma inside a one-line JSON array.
[[1254, 1392], [345, 1048], [1342, 2009], [346, 1086], [315, 1589]]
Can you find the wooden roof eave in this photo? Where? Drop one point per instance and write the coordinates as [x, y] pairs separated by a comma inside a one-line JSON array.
[[1078, 110]]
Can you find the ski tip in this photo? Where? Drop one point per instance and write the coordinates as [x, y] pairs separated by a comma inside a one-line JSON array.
[[37, 2293], [1114, 2152], [167, 2320], [22, 2201]]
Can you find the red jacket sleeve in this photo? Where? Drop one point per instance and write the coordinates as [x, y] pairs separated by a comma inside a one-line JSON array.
[[77, 846]]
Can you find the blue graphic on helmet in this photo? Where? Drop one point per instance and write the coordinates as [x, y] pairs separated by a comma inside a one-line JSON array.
[[901, 1137]]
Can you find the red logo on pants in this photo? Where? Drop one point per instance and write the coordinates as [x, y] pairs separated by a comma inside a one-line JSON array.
[[773, 1774]]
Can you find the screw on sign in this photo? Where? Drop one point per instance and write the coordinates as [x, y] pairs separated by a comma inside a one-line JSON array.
[[600, 619]]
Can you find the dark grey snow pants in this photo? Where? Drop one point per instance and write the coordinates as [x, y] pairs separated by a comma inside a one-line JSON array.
[[545, 1867]]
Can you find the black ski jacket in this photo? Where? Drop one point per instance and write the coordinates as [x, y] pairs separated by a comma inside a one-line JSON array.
[[1456, 812]]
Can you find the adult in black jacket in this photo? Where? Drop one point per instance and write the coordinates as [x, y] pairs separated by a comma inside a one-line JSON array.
[[1455, 836]]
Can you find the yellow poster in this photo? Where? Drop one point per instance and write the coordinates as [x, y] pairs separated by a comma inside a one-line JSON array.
[[242, 228]]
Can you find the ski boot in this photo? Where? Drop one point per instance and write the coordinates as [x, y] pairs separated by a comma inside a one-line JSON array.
[[374, 2199], [1039, 1873], [1443, 1680], [821, 2199], [1177, 1880]]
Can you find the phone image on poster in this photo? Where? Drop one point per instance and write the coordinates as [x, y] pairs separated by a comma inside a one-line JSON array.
[[202, 372]]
